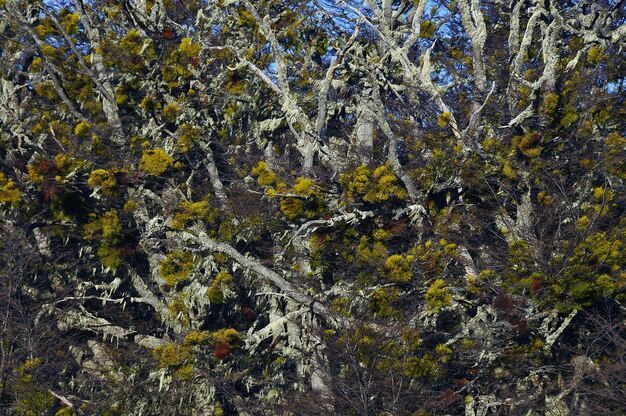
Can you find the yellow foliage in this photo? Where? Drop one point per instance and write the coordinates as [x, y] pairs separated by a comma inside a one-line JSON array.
[[103, 180], [155, 161], [170, 112], [399, 268], [216, 291], [176, 267], [438, 296], [187, 212], [82, 129], [188, 48], [265, 177], [9, 193]]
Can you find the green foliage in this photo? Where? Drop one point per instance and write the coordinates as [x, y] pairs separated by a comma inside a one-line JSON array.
[[438, 295], [399, 268], [176, 267], [265, 177], [380, 301], [107, 228], [187, 212], [178, 358], [105, 181], [216, 291], [155, 162], [32, 399], [378, 185], [10, 195]]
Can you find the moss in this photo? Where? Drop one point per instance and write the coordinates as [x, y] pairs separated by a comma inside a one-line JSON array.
[[155, 161], [178, 310], [83, 129], [132, 42], [398, 268], [438, 296], [216, 291], [304, 187], [368, 253], [188, 137], [187, 212], [109, 256], [418, 367], [235, 82], [595, 55], [149, 104], [378, 185], [427, 29], [227, 335], [265, 177], [291, 207], [380, 301], [176, 267], [10, 195], [103, 180], [443, 120], [195, 338], [170, 112], [189, 49], [173, 355], [550, 103], [31, 399], [508, 170], [107, 228]]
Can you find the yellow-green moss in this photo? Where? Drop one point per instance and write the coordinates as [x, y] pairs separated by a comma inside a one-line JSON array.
[[438, 295], [189, 49], [170, 112], [228, 336], [107, 228], [187, 212], [109, 256], [83, 129], [398, 268], [194, 338], [10, 195], [155, 161], [265, 177], [176, 267], [216, 291], [103, 180], [378, 185], [291, 207]]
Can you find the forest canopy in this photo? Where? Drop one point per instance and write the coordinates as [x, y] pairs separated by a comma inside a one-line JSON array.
[[359, 207]]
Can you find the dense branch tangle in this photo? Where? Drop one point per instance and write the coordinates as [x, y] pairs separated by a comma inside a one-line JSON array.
[[358, 203]]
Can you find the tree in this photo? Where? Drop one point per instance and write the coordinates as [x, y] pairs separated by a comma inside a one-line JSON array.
[[238, 207]]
